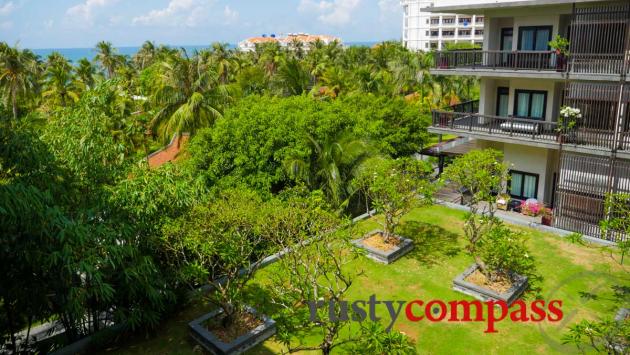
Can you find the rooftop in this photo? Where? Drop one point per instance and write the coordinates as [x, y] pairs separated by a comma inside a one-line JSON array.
[[480, 8]]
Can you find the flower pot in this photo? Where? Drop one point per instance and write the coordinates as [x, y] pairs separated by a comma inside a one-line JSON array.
[[546, 220]]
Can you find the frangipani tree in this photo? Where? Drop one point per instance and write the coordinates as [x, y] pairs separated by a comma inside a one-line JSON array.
[[395, 187], [480, 173]]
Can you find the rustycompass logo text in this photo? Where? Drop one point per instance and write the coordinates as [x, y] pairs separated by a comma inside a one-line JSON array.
[[489, 312]]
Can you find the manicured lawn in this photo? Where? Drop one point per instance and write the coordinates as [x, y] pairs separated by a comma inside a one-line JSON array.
[[583, 278]]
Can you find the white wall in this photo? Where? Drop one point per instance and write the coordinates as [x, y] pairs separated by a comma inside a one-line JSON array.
[[530, 160]]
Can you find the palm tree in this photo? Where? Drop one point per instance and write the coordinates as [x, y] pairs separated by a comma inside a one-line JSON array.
[[145, 56], [85, 72], [293, 77], [221, 58], [108, 58], [18, 76], [331, 167], [189, 96], [60, 86]]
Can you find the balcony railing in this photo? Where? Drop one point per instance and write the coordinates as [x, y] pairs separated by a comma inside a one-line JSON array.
[[614, 64], [477, 59], [504, 126], [535, 130]]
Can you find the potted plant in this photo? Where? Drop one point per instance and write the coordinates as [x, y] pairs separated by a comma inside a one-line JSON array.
[[561, 46], [503, 201], [219, 245], [567, 123], [531, 208], [394, 187], [547, 216], [502, 264]]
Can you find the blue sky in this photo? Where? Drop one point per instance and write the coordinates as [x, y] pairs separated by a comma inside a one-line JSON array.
[[82, 23]]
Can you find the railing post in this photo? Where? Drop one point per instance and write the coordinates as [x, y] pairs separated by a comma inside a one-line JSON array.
[[511, 124], [470, 124]]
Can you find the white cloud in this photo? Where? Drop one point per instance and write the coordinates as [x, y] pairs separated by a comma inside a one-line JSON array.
[[390, 10], [333, 12], [6, 25], [230, 16], [84, 12], [7, 8], [190, 13]]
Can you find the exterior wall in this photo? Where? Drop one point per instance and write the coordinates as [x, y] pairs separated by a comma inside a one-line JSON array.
[[417, 26], [488, 94], [541, 161]]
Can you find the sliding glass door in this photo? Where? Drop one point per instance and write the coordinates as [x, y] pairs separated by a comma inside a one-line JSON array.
[[530, 104], [503, 97]]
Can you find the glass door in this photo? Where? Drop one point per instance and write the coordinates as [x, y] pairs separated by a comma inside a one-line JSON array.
[[503, 99], [523, 185], [534, 38], [507, 39]]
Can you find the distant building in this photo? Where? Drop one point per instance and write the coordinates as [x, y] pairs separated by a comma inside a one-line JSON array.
[[425, 31], [306, 39]]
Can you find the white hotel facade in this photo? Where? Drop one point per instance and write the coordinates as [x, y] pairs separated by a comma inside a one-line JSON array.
[[425, 31]]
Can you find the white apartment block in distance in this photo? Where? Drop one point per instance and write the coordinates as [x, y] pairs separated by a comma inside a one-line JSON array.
[[427, 31]]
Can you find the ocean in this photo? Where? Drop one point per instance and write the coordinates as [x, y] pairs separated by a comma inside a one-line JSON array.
[[74, 54]]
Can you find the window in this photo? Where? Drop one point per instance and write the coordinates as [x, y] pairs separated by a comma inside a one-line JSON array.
[[464, 20], [449, 33], [435, 21], [406, 10], [426, 45], [427, 33], [530, 104], [464, 32], [427, 21], [435, 33], [523, 185], [478, 32], [534, 38], [479, 19], [448, 20], [434, 45]]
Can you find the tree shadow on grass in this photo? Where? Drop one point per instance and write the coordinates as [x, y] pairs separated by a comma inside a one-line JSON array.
[[431, 243]]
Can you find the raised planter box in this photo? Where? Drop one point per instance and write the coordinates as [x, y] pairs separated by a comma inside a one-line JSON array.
[[484, 294], [381, 256], [210, 342]]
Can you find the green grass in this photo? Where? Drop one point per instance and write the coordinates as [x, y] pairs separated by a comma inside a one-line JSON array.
[[582, 277]]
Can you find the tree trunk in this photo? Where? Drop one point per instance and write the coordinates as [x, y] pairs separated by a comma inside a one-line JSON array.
[[14, 104]]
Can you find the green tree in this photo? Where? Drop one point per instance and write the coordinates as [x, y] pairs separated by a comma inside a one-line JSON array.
[[18, 76], [60, 87], [145, 56], [293, 77], [394, 187], [108, 58], [332, 165], [188, 97], [617, 223], [478, 175], [85, 72]]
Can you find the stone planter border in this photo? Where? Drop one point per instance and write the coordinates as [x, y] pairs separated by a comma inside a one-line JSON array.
[[385, 257], [484, 294], [239, 345]]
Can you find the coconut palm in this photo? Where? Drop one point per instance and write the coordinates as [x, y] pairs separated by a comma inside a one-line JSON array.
[[221, 59], [85, 72], [189, 96], [108, 58], [60, 87], [332, 166], [293, 77], [145, 56], [18, 76]]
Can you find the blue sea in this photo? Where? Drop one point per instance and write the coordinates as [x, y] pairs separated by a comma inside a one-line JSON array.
[[74, 54]]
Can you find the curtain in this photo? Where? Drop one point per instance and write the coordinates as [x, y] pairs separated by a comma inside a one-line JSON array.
[[542, 40], [523, 105], [527, 40], [538, 106], [503, 105], [516, 184], [529, 187]]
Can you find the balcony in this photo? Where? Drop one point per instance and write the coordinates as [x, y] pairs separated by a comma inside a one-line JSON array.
[[509, 127], [526, 131], [588, 66]]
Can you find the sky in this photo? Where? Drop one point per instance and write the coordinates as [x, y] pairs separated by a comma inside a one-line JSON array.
[[82, 23]]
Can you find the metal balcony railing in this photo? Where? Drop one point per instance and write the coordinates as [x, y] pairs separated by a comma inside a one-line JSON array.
[[531, 129], [478, 59], [613, 64]]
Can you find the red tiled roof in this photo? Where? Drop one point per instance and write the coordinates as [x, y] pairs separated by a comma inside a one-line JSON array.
[[169, 152]]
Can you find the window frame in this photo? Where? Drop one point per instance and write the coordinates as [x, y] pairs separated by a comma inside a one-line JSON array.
[[536, 28], [530, 92], [523, 173]]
